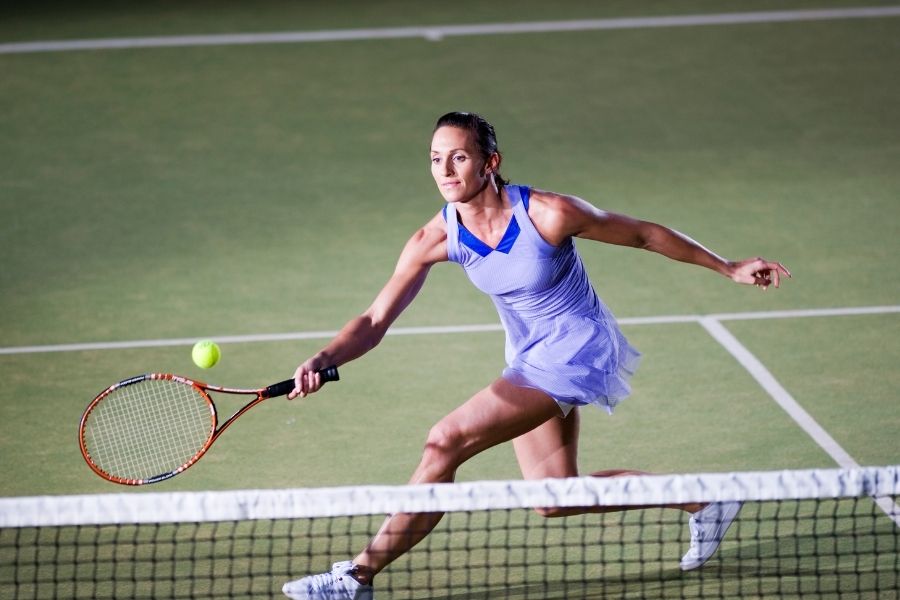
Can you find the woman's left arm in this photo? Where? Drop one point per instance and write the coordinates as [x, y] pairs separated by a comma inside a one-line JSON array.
[[560, 216]]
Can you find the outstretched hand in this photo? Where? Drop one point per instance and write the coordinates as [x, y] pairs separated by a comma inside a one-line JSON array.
[[759, 272]]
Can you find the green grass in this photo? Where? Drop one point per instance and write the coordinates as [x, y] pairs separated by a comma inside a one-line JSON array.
[[181, 193], [209, 191], [215, 168]]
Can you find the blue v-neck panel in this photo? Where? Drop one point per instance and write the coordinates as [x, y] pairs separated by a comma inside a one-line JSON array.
[[469, 239], [475, 244], [506, 243], [509, 238]]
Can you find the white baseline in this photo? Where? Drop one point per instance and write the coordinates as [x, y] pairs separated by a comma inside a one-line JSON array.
[[438, 32]]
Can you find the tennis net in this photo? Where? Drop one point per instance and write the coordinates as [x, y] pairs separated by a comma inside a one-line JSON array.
[[801, 534]]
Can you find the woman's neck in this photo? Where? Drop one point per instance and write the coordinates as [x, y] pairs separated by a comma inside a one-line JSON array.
[[486, 216], [488, 204]]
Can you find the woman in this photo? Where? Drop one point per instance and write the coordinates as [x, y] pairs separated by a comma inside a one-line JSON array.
[[563, 347]]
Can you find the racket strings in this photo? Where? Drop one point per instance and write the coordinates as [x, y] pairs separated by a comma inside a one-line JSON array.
[[148, 428]]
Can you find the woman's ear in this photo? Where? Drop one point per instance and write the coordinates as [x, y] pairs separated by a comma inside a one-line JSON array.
[[492, 164]]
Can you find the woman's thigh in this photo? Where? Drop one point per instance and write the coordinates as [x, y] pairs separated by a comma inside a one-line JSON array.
[[551, 449], [498, 413]]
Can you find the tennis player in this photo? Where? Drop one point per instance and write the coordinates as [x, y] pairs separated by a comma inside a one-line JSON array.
[[563, 346]]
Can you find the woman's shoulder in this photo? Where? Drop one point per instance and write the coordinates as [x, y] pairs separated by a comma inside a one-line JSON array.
[[544, 204], [437, 225], [553, 214], [429, 242], [551, 201]]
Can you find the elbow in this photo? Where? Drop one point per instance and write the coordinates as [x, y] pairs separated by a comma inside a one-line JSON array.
[[643, 242], [650, 236]]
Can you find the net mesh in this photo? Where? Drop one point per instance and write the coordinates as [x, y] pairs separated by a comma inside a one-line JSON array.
[[801, 534]]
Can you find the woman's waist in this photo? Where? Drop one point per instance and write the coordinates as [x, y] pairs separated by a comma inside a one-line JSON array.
[[543, 308]]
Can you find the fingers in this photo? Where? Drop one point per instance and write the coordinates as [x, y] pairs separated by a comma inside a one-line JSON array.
[[774, 271], [769, 273], [763, 273], [306, 381]]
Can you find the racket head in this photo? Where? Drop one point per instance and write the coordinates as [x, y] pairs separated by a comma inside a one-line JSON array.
[[147, 428]]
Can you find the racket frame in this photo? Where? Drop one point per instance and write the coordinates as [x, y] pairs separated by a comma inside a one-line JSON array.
[[279, 389]]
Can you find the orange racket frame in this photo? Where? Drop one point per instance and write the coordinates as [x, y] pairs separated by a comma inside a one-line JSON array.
[[200, 388]]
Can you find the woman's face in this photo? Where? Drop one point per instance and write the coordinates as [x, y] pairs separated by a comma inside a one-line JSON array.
[[456, 165]]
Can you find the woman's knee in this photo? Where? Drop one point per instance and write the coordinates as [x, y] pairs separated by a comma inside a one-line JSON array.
[[442, 454]]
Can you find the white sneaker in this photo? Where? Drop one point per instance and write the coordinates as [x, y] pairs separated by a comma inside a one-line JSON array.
[[336, 585], [708, 527]]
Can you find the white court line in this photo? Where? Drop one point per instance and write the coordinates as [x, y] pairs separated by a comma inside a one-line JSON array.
[[438, 32], [446, 329], [809, 312], [784, 399]]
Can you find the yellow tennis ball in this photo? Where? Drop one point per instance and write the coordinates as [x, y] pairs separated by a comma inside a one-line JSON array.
[[206, 354]]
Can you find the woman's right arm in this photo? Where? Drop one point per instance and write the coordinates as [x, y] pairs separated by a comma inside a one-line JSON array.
[[425, 248]]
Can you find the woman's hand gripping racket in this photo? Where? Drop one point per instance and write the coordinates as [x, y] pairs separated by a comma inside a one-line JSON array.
[[152, 427]]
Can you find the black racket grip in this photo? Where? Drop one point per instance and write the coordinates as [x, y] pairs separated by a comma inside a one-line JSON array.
[[287, 386]]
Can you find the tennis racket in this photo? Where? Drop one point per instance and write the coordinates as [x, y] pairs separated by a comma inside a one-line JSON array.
[[152, 427]]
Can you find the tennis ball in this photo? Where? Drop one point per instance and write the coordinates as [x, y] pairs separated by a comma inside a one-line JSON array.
[[206, 354]]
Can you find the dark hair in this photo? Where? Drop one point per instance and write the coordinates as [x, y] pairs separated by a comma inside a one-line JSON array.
[[482, 131]]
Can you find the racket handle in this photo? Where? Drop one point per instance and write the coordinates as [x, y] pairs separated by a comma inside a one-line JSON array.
[[287, 386]]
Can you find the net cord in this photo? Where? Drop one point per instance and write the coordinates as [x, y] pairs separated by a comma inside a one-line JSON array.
[[171, 507]]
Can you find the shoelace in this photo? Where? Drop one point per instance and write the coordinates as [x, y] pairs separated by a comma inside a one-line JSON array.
[[322, 582], [696, 534]]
